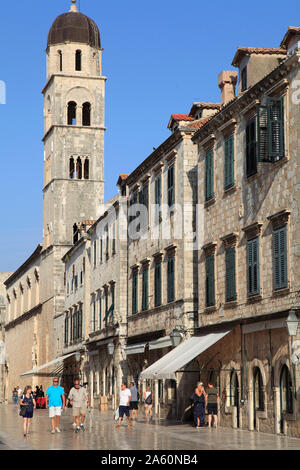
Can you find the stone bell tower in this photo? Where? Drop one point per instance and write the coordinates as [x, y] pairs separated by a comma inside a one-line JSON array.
[[73, 188]]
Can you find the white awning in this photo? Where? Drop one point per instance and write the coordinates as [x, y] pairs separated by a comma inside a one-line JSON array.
[[160, 343], [137, 348], [56, 361], [170, 363]]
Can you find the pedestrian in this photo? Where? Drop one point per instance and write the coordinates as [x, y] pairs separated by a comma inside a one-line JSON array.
[[212, 404], [42, 395], [134, 401], [28, 402], [15, 397], [55, 400], [20, 391], [125, 397], [79, 400], [199, 405], [148, 402]]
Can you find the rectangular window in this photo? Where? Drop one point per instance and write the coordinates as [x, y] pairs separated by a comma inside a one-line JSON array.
[[66, 329], [71, 327], [229, 163], [94, 318], [209, 175], [251, 157], [230, 274], [210, 281], [145, 288], [270, 124], [280, 258], [80, 324], [107, 242], [157, 196], [76, 281], [112, 307], [114, 240], [134, 292], [106, 306], [144, 200], [253, 267], [95, 253], [171, 279], [101, 250], [157, 284], [244, 79], [171, 186]]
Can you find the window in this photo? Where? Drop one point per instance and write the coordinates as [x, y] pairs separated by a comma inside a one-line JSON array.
[[244, 79], [253, 267], [100, 310], [280, 258], [78, 168], [66, 329], [157, 196], [157, 284], [95, 253], [86, 114], [134, 292], [209, 175], [171, 186], [230, 274], [75, 233], [210, 280], [286, 394], [106, 305], [251, 159], [270, 124], [107, 242], [94, 315], [86, 170], [72, 168], [79, 315], [229, 163], [171, 278], [60, 61], [114, 239], [234, 386], [144, 200], [145, 288], [78, 60], [101, 250], [72, 106], [258, 389]]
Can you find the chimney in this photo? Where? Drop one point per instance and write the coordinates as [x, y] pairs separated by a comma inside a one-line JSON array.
[[227, 80]]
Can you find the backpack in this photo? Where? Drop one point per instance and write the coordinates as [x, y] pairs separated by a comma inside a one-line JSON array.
[[148, 400]]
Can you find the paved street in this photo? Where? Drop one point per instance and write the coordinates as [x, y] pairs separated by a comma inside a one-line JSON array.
[[101, 433]]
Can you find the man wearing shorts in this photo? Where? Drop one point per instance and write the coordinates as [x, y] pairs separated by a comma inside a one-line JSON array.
[[125, 397], [55, 400], [79, 400], [134, 401]]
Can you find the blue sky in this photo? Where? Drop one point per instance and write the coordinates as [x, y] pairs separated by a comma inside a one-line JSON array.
[[159, 57]]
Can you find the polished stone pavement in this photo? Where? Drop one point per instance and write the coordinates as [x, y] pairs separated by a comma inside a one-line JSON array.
[[101, 434]]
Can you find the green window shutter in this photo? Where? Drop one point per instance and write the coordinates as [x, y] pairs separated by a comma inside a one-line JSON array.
[[66, 329], [157, 280], [280, 258], [71, 327], [145, 289], [170, 279], [80, 324], [209, 175], [100, 312], [251, 155], [112, 307], [253, 267], [171, 186], [276, 128], [134, 292], [95, 253], [101, 250], [230, 274], [263, 154], [229, 163], [244, 79], [158, 195], [210, 281]]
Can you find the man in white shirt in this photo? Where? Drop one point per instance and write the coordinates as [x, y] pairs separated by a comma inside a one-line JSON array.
[[125, 397]]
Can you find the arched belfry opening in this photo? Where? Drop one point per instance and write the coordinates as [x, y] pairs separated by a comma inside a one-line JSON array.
[[86, 114], [78, 60], [72, 108]]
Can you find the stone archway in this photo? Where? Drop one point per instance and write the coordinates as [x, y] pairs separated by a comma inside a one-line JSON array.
[[256, 413]]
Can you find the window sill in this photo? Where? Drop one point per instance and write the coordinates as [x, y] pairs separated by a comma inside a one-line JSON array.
[[230, 304], [284, 291], [251, 178], [254, 298], [210, 202], [280, 162], [211, 309], [230, 190]]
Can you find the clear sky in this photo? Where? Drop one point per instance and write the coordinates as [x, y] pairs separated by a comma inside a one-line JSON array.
[[159, 57]]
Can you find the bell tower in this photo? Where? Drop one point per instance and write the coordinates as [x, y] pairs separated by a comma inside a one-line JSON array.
[[74, 98]]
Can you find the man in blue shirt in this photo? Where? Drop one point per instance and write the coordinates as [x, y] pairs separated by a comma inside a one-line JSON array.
[[55, 399]]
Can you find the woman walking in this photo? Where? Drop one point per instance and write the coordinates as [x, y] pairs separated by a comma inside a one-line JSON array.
[[28, 402], [199, 405], [148, 402]]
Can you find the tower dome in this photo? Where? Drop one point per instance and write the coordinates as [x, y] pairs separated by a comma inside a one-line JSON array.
[[74, 27]]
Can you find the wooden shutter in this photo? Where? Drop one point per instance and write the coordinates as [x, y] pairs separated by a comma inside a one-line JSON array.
[[145, 289], [170, 279], [263, 154], [80, 324], [209, 175], [210, 281], [253, 267], [171, 194], [229, 163], [157, 284], [251, 159], [276, 128], [230, 274], [280, 258], [134, 292]]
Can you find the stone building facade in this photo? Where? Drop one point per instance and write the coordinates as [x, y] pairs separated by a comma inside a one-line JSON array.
[[4, 393]]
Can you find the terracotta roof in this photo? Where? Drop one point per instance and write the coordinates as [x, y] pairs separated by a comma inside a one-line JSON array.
[[199, 123], [292, 30], [122, 177], [203, 105], [182, 117], [242, 51]]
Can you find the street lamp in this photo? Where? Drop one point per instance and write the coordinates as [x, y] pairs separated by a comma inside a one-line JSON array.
[[292, 327], [77, 356], [175, 337], [110, 348]]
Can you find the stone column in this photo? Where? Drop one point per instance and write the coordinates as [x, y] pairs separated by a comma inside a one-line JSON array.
[[276, 393], [156, 399], [91, 387], [250, 409]]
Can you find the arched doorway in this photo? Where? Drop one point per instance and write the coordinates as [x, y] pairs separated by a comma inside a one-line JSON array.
[[286, 395], [234, 395], [258, 396]]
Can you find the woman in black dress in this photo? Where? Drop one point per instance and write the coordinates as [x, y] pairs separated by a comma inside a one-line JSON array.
[[27, 401]]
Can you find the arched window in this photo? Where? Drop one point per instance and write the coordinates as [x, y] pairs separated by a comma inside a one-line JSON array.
[[258, 389], [75, 233], [78, 169], [234, 386], [72, 168], [78, 60], [86, 169], [60, 61], [286, 395], [48, 104], [86, 114], [72, 113]]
